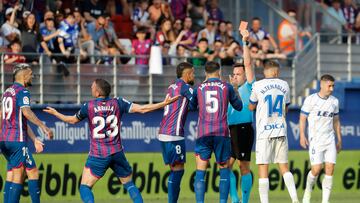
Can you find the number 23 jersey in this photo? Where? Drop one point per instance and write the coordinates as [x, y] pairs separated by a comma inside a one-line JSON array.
[[104, 117], [271, 95]]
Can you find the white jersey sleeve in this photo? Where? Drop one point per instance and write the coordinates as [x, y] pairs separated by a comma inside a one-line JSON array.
[[306, 107], [253, 95]]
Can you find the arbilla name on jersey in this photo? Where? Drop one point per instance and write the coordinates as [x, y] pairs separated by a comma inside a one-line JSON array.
[[274, 126]]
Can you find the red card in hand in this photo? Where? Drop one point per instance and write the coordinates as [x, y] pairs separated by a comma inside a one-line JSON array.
[[243, 25]]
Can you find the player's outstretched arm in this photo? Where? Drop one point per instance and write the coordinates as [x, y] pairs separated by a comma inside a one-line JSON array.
[[337, 128], [39, 146], [302, 124], [29, 114], [249, 71], [136, 108], [68, 119]]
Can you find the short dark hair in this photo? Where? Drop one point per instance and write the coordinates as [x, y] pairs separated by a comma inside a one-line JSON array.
[[211, 67], [19, 67], [269, 63], [181, 67], [239, 65], [16, 41], [103, 86], [327, 77], [256, 18], [204, 40]]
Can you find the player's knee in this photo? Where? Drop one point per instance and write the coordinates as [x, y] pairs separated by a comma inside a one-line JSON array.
[[18, 175], [9, 176], [244, 169], [315, 171], [32, 173], [126, 179], [177, 167]]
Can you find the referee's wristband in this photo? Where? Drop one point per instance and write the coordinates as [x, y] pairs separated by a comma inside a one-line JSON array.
[[246, 43]]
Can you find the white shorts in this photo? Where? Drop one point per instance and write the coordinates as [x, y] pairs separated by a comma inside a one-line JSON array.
[[272, 150], [320, 153]]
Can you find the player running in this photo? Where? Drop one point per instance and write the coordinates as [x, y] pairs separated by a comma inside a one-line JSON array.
[[270, 97], [240, 125], [171, 133], [15, 112], [321, 110], [104, 117], [212, 98]]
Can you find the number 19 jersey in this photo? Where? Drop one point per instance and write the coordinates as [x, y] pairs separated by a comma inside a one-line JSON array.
[[271, 95], [104, 117]]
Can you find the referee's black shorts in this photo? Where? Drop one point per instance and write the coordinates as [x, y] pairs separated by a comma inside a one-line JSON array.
[[242, 140]]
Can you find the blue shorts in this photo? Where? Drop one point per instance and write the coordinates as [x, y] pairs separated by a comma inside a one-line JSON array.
[[17, 154], [220, 145], [117, 162], [174, 152]]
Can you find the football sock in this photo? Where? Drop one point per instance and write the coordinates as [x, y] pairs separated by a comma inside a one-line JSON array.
[[7, 191], [174, 185], [310, 181], [246, 184], [199, 186], [34, 190], [133, 192], [233, 191], [224, 184], [290, 184], [15, 192], [326, 188], [264, 190], [86, 194]]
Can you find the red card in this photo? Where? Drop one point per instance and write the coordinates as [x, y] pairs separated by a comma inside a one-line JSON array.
[[243, 25]]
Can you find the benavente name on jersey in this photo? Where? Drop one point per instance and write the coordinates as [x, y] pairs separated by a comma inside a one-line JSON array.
[[103, 108], [273, 86], [218, 84], [11, 90], [174, 86]]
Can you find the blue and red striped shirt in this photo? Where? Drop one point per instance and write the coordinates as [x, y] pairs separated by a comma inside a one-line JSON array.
[[14, 123], [212, 98], [104, 116], [175, 113]]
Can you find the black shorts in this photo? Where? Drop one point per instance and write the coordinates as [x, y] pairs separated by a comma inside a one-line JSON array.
[[242, 140]]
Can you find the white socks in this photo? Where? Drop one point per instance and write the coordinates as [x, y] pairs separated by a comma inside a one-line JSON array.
[[290, 184], [264, 190], [310, 181], [326, 188]]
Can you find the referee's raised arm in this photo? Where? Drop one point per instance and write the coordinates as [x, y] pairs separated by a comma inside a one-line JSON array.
[[249, 71]]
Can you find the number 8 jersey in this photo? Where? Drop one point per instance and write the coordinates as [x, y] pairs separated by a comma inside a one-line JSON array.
[[104, 116], [271, 95], [14, 123]]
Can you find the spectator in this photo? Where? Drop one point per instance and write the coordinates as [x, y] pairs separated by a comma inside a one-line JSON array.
[[67, 40], [166, 60], [179, 9], [230, 28], [357, 28], [30, 38], [85, 46], [330, 25], [9, 29], [288, 34], [93, 9], [202, 53], [96, 31], [232, 52], [208, 32], [158, 12], [179, 54], [350, 12], [59, 17], [117, 7], [198, 14], [165, 33], [214, 11], [140, 16], [141, 46], [219, 51], [40, 10], [48, 33], [188, 38], [110, 43], [257, 34], [14, 57], [268, 53], [177, 27], [222, 34], [304, 11]]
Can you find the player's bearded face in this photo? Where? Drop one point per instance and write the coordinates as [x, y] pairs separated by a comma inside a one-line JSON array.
[[191, 76]]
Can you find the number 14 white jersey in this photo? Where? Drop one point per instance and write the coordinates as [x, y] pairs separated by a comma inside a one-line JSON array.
[[271, 95]]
